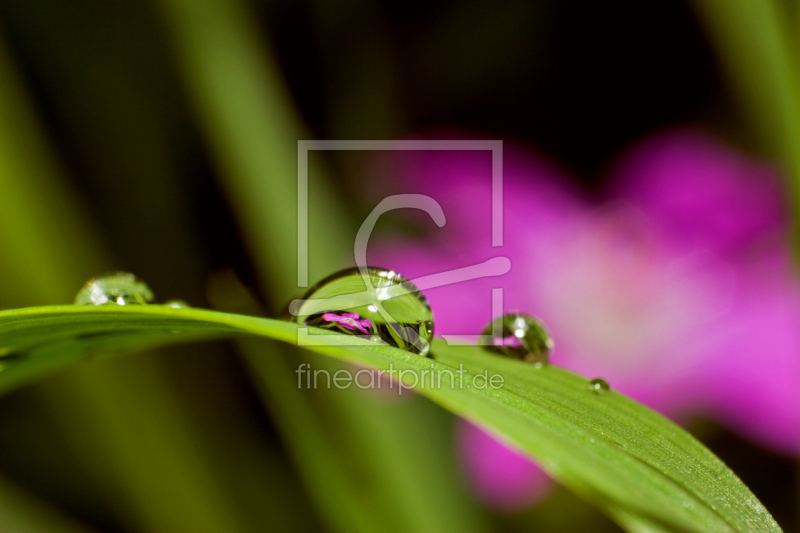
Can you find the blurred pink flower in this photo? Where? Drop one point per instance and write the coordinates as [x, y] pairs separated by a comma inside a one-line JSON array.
[[676, 286]]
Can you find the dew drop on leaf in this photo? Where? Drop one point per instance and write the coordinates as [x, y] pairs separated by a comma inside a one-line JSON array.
[[599, 386], [383, 306], [520, 337], [118, 288], [177, 304]]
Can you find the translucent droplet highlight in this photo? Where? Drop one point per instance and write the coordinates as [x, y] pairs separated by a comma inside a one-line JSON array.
[[519, 336], [177, 304], [599, 386], [384, 306], [118, 288]]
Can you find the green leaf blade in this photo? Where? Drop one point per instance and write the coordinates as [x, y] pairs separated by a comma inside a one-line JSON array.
[[607, 448]]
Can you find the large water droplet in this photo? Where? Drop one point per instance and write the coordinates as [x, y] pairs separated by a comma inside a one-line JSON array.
[[519, 336], [386, 305], [599, 386], [120, 288]]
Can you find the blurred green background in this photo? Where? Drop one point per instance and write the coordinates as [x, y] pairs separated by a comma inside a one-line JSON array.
[[137, 135]]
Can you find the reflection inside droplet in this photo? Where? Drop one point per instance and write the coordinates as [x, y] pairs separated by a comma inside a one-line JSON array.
[[599, 386], [519, 336], [118, 288], [385, 306]]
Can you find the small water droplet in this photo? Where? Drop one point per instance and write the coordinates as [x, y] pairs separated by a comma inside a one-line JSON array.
[[386, 306], [119, 288], [177, 304], [599, 386], [520, 337]]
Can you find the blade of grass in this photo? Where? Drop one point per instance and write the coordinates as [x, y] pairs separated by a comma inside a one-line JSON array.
[[606, 447], [757, 42], [22, 513], [130, 142], [345, 449], [374, 435], [48, 251], [346, 444], [253, 132], [303, 434], [755, 46], [34, 248]]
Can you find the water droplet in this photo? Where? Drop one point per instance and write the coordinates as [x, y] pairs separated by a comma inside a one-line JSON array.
[[599, 386], [120, 288], [521, 337], [386, 307], [177, 304]]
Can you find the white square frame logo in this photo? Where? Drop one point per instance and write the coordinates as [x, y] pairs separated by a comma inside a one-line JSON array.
[[305, 146]]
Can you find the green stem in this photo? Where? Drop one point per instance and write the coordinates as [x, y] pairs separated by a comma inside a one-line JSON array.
[[135, 440], [252, 131], [757, 50]]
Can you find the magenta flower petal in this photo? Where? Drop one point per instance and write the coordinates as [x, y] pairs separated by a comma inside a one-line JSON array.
[[332, 317], [349, 321], [703, 193], [511, 341], [622, 304], [461, 183], [750, 373]]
